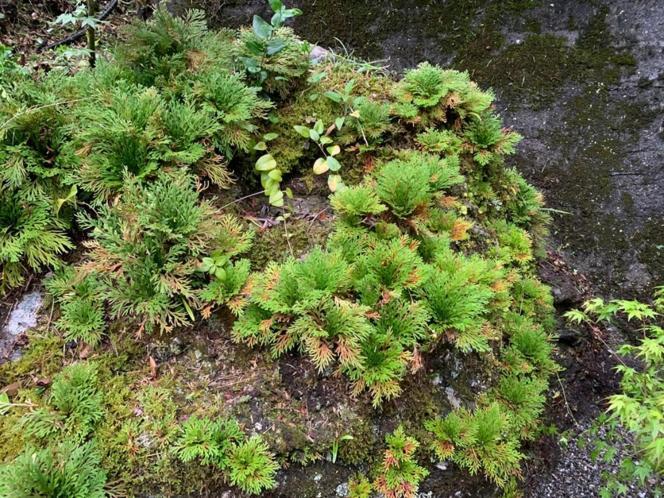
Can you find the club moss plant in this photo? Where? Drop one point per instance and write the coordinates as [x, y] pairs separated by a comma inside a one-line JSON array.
[[177, 179]]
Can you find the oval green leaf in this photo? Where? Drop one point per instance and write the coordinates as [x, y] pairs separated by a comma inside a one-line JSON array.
[[266, 163]]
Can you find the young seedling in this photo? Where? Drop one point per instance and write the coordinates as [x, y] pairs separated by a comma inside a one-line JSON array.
[[327, 162]]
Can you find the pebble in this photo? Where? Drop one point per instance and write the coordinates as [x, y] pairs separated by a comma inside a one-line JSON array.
[[342, 489]]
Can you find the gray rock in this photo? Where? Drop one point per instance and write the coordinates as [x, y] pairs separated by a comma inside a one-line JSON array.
[[342, 489], [24, 314], [22, 318], [452, 397], [318, 54]]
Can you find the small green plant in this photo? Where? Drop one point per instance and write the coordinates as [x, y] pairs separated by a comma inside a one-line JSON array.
[[359, 487], [327, 162], [404, 186], [355, 203], [270, 53], [489, 140], [248, 463], [208, 440], [399, 475], [163, 49], [31, 238], [81, 308], [251, 466], [430, 95], [638, 405], [73, 408], [480, 440], [158, 237], [64, 471]]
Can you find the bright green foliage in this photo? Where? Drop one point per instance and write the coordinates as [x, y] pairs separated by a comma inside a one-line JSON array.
[[385, 364], [251, 466], [480, 440], [157, 236], [137, 132], [440, 141], [65, 471], [387, 269], [408, 184], [209, 441], [30, 238], [333, 330], [530, 349], [489, 140], [81, 308], [73, 408], [513, 243], [248, 463], [234, 105], [166, 47], [457, 293], [638, 405], [359, 487], [123, 136], [373, 120], [404, 186], [426, 95], [523, 399], [399, 475], [354, 203], [34, 186]]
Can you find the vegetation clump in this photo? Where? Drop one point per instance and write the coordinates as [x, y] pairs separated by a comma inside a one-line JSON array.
[[637, 406], [428, 248], [222, 443]]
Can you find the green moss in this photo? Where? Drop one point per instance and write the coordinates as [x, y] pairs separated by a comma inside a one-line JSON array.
[[43, 358], [540, 66], [294, 237]]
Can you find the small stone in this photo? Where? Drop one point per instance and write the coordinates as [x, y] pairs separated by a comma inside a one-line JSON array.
[[318, 477], [258, 426], [318, 54], [175, 346], [452, 397], [24, 315], [342, 489], [145, 440]]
